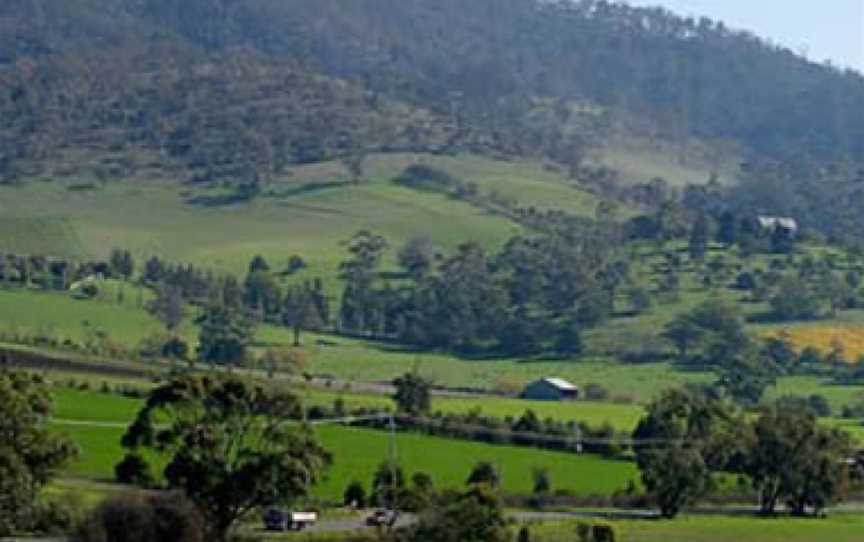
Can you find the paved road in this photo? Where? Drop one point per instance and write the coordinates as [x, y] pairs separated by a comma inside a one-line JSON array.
[[358, 523]]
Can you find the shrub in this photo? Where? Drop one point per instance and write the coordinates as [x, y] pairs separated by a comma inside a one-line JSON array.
[[745, 281], [175, 348], [853, 411], [542, 482], [596, 392], [54, 518], [161, 518], [810, 356], [603, 533], [295, 263], [599, 532], [583, 531], [421, 176], [819, 404], [355, 495], [134, 470]]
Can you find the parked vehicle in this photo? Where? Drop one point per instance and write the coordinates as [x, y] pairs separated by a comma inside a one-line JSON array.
[[381, 518], [276, 519]]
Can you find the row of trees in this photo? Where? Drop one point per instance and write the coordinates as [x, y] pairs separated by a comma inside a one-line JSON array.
[[688, 439], [412, 398]]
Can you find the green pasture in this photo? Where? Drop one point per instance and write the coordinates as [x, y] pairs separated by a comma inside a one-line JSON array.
[[307, 215], [39, 235], [639, 160], [356, 452], [838, 527], [527, 182], [59, 315]]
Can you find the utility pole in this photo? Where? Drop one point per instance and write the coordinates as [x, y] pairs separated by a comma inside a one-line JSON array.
[[577, 434], [392, 452]]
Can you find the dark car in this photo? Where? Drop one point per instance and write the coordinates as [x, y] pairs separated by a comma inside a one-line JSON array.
[[381, 518]]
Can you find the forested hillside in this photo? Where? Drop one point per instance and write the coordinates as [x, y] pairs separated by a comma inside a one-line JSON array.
[[493, 58], [224, 90]]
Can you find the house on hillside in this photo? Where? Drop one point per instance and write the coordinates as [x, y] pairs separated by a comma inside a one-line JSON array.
[[774, 224], [551, 389]]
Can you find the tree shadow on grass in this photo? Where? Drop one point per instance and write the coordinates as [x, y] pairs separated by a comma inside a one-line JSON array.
[[307, 189]]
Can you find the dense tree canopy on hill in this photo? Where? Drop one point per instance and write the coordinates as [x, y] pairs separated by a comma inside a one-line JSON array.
[[488, 60]]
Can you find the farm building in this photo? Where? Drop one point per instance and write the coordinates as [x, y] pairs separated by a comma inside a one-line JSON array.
[[551, 389]]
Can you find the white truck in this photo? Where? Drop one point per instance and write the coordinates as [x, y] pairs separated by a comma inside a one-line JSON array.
[[276, 519]]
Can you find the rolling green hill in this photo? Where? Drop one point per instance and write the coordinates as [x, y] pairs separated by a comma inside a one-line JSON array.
[[306, 214]]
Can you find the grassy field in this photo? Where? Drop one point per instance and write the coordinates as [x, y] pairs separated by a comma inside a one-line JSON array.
[[838, 527], [639, 160], [311, 212], [357, 452], [58, 315], [39, 235]]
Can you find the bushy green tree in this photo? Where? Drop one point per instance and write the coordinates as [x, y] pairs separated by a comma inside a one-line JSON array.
[[640, 299], [417, 256], [30, 455], [359, 312], [224, 334], [231, 447], [355, 495], [413, 394], [795, 300], [300, 311], [794, 458], [484, 473], [262, 294], [684, 334], [568, 339], [542, 480], [699, 235], [709, 334], [746, 376], [167, 306], [473, 516], [683, 438], [388, 484], [122, 263]]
